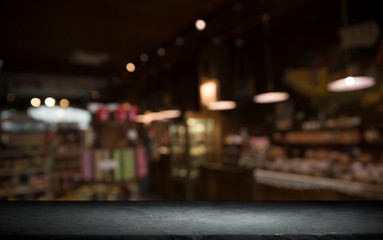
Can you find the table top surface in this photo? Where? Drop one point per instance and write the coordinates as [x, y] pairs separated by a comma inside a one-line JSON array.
[[132, 220]]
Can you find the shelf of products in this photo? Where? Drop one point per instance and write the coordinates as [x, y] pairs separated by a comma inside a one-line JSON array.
[[24, 165], [66, 146], [111, 191], [336, 156]]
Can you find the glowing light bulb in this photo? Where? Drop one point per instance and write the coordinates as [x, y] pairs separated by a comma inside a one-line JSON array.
[[35, 102], [161, 52], [221, 105], [130, 67], [208, 91], [50, 102], [200, 24], [351, 84], [271, 97], [64, 103], [349, 81]]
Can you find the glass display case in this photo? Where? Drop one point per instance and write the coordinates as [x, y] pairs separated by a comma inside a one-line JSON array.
[[191, 145]]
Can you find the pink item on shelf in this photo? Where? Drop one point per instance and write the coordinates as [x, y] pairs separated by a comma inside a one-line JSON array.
[[141, 162], [87, 164]]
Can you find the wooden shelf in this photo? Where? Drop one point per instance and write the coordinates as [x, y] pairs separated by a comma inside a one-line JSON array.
[[13, 171], [21, 190]]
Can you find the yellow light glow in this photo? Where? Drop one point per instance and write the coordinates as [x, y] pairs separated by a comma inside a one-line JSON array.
[[126, 106], [221, 105], [50, 102], [144, 118], [200, 24], [11, 97], [349, 81], [161, 52], [208, 91], [351, 84], [64, 103], [95, 94], [167, 114], [271, 97], [130, 67], [35, 102]]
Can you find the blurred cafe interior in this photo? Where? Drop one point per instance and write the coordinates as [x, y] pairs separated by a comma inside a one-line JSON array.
[[191, 100]]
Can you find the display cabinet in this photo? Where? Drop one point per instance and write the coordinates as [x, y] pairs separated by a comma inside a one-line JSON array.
[[192, 144], [24, 163]]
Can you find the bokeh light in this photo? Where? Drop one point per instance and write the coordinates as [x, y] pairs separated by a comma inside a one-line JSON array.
[[50, 102], [35, 102], [130, 67]]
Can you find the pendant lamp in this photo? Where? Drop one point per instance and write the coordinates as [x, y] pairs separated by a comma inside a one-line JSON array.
[[221, 105], [223, 87], [271, 96], [350, 82]]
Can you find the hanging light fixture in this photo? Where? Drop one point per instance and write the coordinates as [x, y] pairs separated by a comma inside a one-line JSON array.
[[350, 82], [270, 96], [220, 87], [208, 91], [221, 105]]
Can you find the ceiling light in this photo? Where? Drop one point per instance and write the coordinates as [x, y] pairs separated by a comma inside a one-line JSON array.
[[170, 113], [35, 102], [95, 94], [200, 24], [130, 67], [50, 102], [271, 97], [144, 57], [351, 84], [208, 92], [83, 57], [145, 118], [161, 52], [11, 97], [221, 105], [64, 103]]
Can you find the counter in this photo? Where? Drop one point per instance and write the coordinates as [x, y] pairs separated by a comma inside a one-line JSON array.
[[191, 220], [305, 182]]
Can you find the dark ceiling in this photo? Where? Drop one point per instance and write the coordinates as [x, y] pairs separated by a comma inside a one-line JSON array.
[[97, 38], [43, 35]]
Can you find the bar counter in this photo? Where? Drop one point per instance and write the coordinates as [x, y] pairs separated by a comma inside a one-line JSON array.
[[191, 220]]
